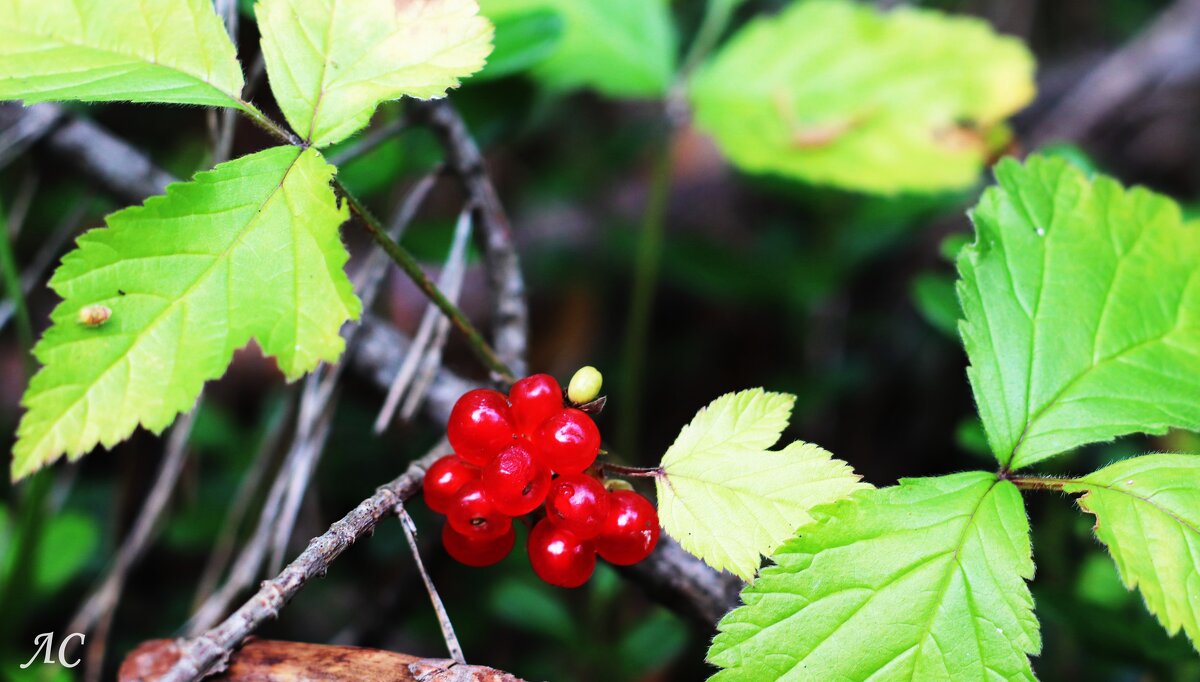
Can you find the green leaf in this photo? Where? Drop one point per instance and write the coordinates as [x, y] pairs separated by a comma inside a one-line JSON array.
[[921, 581], [523, 39], [1082, 307], [249, 250], [173, 51], [1148, 515], [728, 499], [332, 62], [906, 100], [620, 48]]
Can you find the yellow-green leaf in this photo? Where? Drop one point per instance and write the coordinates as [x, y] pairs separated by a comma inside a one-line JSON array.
[[173, 51], [331, 62], [729, 499], [1148, 515], [840, 93], [249, 250]]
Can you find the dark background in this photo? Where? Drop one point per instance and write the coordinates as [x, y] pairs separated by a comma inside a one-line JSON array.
[[842, 299]]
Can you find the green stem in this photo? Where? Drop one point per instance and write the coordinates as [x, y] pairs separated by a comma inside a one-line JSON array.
[[1039, 483], [641, 472], [14, 291], [717, 14], [409, 265], [641, 303], [263, 121]]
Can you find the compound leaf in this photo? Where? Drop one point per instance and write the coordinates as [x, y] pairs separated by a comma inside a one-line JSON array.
[[921, 581], [907, 100], [1148, 515], [332, 62], [1082, 307], [173, 51], [249, 250], [728, 499], [620, 48]]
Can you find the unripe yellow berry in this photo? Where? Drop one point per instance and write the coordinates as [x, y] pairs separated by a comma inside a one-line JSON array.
[[585, 385]]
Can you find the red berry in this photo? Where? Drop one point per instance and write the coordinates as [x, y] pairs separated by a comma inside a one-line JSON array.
[[534, 398], [558, 557], [631, 529], [480, 425], [579, 504], [515, 481], [568, 441], [444, 479], [477, 552], [473, 514]]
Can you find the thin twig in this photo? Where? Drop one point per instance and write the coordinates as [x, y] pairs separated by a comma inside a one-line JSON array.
[[46, 255], [370, 142], [312, 444], [510, 313], [410, 534], [222, 122], [38, 121], [218, 559], [113, 164], [425, 342], [1164, 51], [307, 442]]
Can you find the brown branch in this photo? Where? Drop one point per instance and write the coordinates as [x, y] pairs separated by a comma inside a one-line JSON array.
[[208, 652], [110, 162], [272, 661], [1166, 51]]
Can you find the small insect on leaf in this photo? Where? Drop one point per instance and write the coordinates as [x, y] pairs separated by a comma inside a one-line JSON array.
[[94, 315]]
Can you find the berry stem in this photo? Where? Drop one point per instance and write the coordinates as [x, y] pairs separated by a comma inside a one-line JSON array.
[[643, 472]]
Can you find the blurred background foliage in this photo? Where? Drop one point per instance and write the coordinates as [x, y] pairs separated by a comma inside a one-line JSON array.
[[844, 299]]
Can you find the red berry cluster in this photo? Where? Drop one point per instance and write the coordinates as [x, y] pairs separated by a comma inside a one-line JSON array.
[[515, 454]]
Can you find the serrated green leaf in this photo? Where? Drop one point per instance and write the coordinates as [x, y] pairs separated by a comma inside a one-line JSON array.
[[921, 581], [1082, 307], [249, 250], [620, 48], [1147, 513], [728, 499], [173, 51], [332, 62], [905, 100]]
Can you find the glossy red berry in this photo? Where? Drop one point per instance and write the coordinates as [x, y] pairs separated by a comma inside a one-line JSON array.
[[444, 479], [533, 399], [568, 441], [481, 425], [578, 503], [473, 514], [477, 552], [516, 481], [558, 557], [630, 531]]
